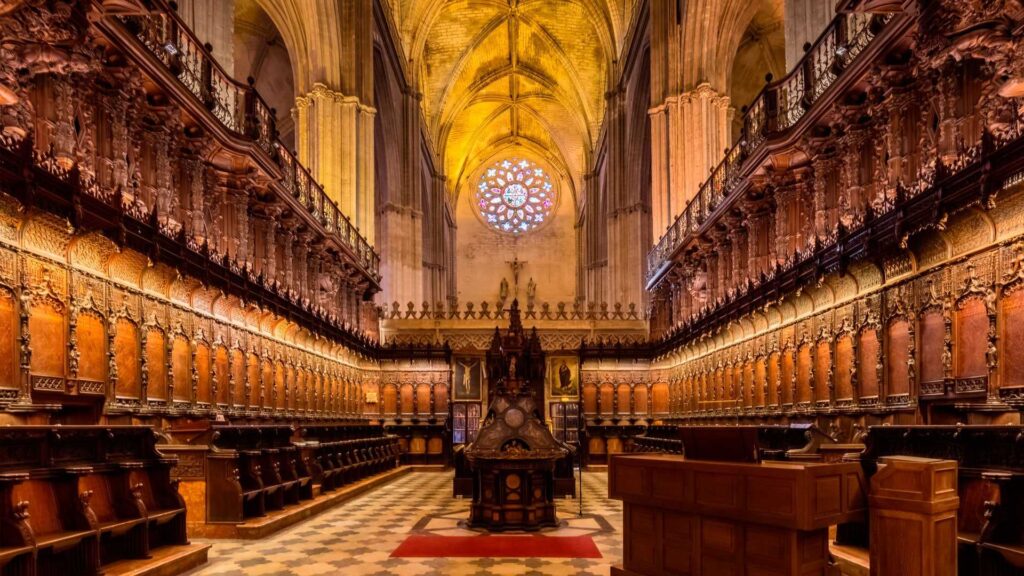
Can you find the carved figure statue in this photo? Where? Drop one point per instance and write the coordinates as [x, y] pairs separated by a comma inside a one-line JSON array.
[[531, 292], [512, 368], [503, 290]]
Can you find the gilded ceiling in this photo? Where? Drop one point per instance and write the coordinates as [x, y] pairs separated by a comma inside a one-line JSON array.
[[512, 76]]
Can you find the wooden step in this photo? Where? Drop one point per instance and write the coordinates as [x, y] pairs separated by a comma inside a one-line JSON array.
[[163, 561]]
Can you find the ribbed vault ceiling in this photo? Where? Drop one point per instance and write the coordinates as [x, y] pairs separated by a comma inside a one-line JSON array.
[[516, 76]]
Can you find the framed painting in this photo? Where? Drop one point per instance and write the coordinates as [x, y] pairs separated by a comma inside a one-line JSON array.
[[563, 376], [469, 375]]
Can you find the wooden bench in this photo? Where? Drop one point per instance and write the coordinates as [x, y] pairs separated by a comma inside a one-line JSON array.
[[736, 443], [342, 454], [73, 498], [990, 484]]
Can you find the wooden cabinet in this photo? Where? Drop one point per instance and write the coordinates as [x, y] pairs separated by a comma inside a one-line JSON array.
[[685, 517]]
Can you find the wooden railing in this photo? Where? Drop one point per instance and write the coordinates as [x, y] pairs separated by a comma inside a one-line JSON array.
[[776, 109], [240, 109]]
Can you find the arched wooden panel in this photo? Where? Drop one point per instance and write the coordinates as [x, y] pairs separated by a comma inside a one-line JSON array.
[[788, 376], [238, 374], [406, 399], [747, 381], [660, 398], [441, 398], [640, 399], [390, 400], [897, 357], [589, 399], [1012, 340], [803, 373], [822, 370], [267, 382], [181, 356], [156, 364], [760, 382], [867, 363], [203, 376], [253, 374], [92, 347], [423, 399], [931, 366], [773, 371], [623, 398], [971, 330], [280, 381], [607, 399], [46, 333], [8, 341], [127, 360], [844, 367], [222, 369], [596, 445]]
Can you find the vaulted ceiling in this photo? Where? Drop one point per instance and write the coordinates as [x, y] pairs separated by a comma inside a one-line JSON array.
[[513, 76]]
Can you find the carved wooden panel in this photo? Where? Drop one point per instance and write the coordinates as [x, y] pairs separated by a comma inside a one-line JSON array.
[[607, 398], [203, 366], [91, 335], [590, 399], [971, 329], [267, 380], [932, 346], [181, 367], [46, 328], [844, 367], [788, 375], [659, 401], [280, 380], [822, 370], [1012, 339], [423, 398], [290, 387], [803, 373], [238, 373], [8, 340], [441, 398], [760, 377], [772, 367], [622, 393], [127, 359], [640, 400], [390, 400], [222, 369], [897, 356], [156, 364], [406, 399], [747, 381], [253, 374], [867, 362]]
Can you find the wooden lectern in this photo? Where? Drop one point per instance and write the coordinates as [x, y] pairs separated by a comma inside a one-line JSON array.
[[708, 518]]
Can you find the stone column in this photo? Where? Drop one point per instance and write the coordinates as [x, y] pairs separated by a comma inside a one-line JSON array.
[[334, 137], [690, 133]]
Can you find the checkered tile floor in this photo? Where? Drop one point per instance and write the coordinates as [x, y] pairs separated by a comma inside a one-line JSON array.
[[357, 537]]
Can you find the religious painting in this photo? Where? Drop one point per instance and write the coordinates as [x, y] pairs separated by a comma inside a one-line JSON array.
[[469, 375], [563, 376]]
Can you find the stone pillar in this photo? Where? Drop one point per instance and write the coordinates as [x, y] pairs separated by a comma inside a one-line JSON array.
[[690, 133], [805, 20], [213, 23], [334, 137]]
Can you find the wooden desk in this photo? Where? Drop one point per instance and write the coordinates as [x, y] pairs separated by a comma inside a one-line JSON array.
[[685, 517]]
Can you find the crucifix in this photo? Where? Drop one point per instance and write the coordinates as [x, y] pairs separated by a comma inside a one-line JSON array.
[[516, 265]]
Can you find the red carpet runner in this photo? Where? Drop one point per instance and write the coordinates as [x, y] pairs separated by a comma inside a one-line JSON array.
[[426, 546]]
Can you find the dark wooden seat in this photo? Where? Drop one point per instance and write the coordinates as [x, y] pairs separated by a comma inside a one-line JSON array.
[[990, 484], [119, 514]]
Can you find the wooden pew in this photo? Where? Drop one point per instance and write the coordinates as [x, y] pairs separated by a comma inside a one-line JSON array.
[[990, 485], [736, 443], [72, 498]]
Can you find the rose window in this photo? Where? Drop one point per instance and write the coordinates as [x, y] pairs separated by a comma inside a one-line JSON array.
[[515, 196]]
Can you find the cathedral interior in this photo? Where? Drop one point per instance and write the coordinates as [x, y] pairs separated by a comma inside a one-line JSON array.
[[545, 287]]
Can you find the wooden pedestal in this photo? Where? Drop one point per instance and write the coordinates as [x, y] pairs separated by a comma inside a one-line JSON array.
[[913, 517], [685, 517]]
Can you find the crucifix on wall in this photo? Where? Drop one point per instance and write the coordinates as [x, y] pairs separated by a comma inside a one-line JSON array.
[[516, 265]]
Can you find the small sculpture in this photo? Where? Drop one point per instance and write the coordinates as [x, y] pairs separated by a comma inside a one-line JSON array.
[[531, 292], [503, 290]]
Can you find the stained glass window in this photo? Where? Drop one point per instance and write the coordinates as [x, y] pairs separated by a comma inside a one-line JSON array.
[[515, 196]]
